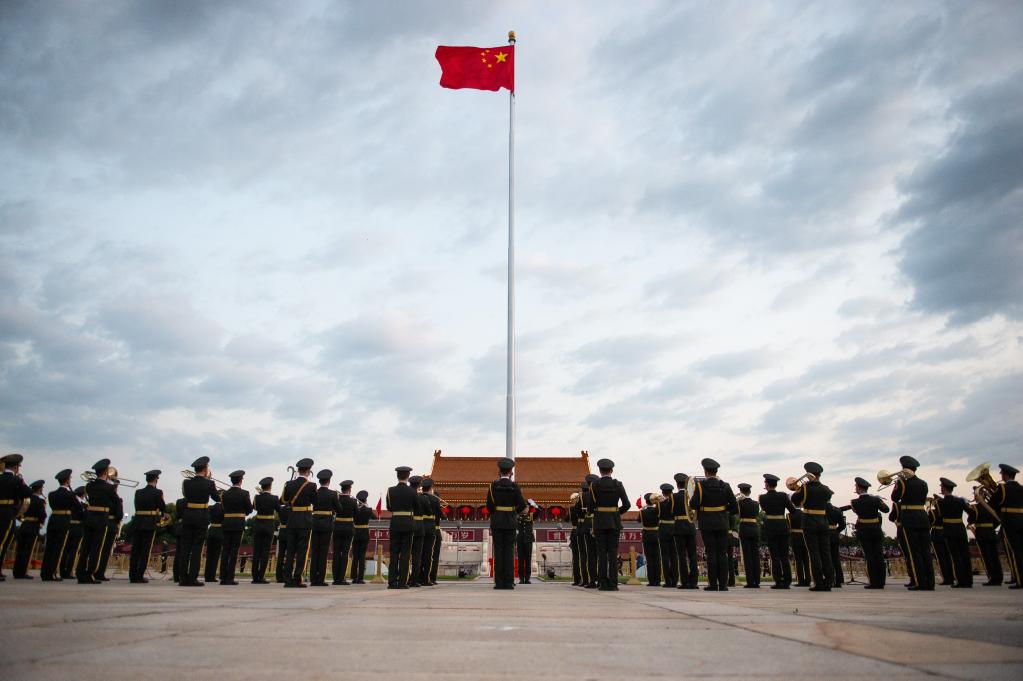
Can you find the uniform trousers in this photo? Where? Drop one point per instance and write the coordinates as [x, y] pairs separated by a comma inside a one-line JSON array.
[[319, 547], [342, 549], [669, 555], [261, 540], [802, 558], [359, 546], [70, 557], [992, 563], [781, 569], [401, 547], [573, 546], [918, 540], [818, 550], [297, 555], [28, 535], [190, 545], [751, 559], [415, 559], [652, 552], [141, 547], [715, 544], [688, 563], [56, 543], [873, 555], [944, 557]]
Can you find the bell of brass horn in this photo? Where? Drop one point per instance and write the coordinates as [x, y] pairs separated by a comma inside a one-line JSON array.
[[794, 484]]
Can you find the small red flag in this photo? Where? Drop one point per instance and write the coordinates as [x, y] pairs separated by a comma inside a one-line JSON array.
[[479, 68], [639, 502], [380, 504]]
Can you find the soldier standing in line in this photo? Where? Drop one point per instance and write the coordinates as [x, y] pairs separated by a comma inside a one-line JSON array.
[[800, 553], [13, 491], [605, 494], [179, 555], [952, 509], [868, 509], [299, 495], [666, 513], [590, 532], [61, 501], [749, 536], [149, 507], [776, 530], [987, 543], [214, 542], [685, 537], [504, 501], [74, 537], [344, 533], [360, 543], [911, 494], [1007, 502], [237, 505], [714, 500], [418, 532], [325, 506], [114, 519], [940, 548], [283, 512], [836, 525], [524, 541], [813, 497], [102, 495], [401, 502], [265, 505], [574, 541], [28, 533], [649, 517], [431, 536], [197, 491]]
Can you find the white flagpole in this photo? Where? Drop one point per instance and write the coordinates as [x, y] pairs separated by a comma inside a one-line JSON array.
[[509, 426]]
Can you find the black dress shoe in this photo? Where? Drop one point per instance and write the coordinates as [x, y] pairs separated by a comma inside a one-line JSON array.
[[722, 588], [653, 584], [710, 587], [991, 584], [779, 586], [591, 586], [820, 588], [946, 583], [102, 579], [231, 583], [1015, 586], [24, 577]]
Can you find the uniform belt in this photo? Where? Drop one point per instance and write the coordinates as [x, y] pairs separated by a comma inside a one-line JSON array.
[[1012, 510], [98, 509], [983, 524], [681, 517], [31, 519], [344, 520], [775, 517], [796, 530], [215, 525], [906, 507], [868, 521], [420, 518], [196, 506], [362, 527], [667, 522], [234, 515], [952, 520], [393, 513], [607, 509], [265, 517], [505, 509], [284, 526], [650, 529], [748, 520], [301, 509], [589, 515], [76, 522], [138, 512], [64, 513], [111, 517], [711, 509], [429, 517], [322, 512], [814, 511], [7, 502]]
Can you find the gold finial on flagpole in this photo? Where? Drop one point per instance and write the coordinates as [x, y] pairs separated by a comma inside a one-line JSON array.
[[511, 36]]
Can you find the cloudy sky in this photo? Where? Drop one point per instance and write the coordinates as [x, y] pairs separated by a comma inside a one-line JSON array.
[[760, 232]]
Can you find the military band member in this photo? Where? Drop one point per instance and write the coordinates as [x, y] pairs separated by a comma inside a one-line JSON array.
[[299, 495], [344, 532], [589, 532], [504, 501], [432, 536], [575, 517], [714, 500], [214, 542], [952, 509], [666, 512], [418, 532], [836, 525], [868, 509], [940, 547], [61, 501], [325, 506], [987, 543], [114, 519], [813, 498], [900, 538], [195, 522], [149, 508], [605, 495], [1007, 502], [800, 555], [749, 536], [74, 538], [102, 495], [524, 541], [360, 543], [237, 505], [685, 537], [179, 555], [265, 504], [649, 517], [401, 502], [911, 494], [283, 512], [13, 491], [776, 530], [28, 533]]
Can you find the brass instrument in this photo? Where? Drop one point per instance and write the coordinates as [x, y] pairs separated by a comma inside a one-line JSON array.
[[189, 474], [740, 497], [888, 479], [22, 510], [691, 485], [164, 521], [90, 476], [656, 498], [795, 484], [293, 471], [986, 487]]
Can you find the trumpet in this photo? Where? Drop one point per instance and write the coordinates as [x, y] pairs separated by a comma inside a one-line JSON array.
[[987, 485], [188, 474], [888, 479], [795, 484], [90, 476]]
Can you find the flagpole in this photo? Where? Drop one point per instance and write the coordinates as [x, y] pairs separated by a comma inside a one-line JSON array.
[[509, 426]]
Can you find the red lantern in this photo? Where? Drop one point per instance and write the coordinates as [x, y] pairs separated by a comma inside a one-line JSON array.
[[466, 510], [556, 511], [445, 510], [484, 511]]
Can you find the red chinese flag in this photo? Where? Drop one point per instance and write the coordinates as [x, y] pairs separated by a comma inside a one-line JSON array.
[[479, 68], [639, 502], [380, 504]]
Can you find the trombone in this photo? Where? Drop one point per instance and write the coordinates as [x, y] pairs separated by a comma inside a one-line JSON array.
[[796, 484], [90, 476], [888, 479], [188, 474]]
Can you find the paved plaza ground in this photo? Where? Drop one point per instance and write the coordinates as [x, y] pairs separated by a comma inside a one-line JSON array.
[[467, 631]]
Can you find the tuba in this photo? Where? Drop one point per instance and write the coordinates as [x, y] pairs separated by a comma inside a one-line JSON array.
[[795, 484], [986, 486]]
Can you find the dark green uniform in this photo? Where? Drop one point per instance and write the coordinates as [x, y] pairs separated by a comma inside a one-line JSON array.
[[749, 541], [940, 547], [28, 535], [195, 524], [1007, 502], [74, 538], [13, 491], [325, 507], [651, 521], [836, 525], [868, 509], [214, 542], [813, 498], [987, 543], [149, 507], [103, 499], [775, 504], [504, 501], [344, 534], [62, 500], [714, 501], [799, 552], [685, 543], [299, 495], [524, 545], [360, 542], [666, 512], [431, 541], [401, 502], [265, 505], [237, 503], [575, 544], [608, 502], [952, 509], [911, 495]]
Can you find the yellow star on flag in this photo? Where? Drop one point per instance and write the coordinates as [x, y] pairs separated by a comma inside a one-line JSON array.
[[501, 56]]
